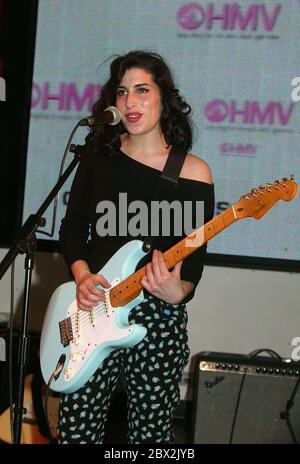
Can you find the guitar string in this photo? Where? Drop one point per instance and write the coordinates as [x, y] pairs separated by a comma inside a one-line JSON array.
[[86, 318], [88, 314]]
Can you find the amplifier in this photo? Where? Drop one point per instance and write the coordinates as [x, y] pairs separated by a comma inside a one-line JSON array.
[[245, 399]]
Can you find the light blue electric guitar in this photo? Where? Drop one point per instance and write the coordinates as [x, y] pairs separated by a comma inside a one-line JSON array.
[[74, 343]]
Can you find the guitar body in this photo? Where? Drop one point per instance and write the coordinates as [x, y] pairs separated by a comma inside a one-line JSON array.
[[93, 336]]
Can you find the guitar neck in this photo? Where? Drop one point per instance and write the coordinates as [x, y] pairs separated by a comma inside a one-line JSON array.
[[127, 290]]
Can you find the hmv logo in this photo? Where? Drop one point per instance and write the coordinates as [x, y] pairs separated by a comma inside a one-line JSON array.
[[228, 16], [248, 112], [64, 96]]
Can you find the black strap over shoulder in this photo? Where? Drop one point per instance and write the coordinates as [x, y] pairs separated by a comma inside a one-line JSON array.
[[169, 174], [173, 165]]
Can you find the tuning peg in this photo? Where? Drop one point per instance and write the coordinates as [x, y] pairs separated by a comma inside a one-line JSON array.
[[254, 190], [276, 182], [262, 186], [284, 178], [292, 177]]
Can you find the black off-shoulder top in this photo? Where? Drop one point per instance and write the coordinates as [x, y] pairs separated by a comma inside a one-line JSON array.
[[102, 178]]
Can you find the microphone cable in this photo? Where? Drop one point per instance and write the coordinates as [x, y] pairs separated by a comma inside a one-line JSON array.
[[61, 170]]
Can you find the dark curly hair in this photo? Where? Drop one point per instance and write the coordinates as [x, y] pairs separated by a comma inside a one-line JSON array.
[[174, 123]]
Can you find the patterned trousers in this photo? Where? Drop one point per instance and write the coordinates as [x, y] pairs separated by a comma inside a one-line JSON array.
[[152, 372]]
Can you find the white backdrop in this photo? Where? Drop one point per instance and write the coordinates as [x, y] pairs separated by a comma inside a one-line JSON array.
[[233, 64]]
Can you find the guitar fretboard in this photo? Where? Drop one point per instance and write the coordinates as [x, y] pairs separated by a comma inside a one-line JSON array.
[[127, 290]]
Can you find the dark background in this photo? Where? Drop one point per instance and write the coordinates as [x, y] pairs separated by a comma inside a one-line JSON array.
[[17, 52]]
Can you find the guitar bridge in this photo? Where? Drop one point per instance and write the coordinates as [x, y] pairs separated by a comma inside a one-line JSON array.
[[66, 331]]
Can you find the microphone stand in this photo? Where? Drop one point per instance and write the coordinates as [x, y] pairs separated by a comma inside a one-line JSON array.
[[26, 242]]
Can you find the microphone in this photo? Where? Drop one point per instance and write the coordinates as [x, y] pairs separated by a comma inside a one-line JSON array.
[[111, 115]]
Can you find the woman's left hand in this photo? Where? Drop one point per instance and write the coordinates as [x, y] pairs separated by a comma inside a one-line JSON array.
[[162, 283]]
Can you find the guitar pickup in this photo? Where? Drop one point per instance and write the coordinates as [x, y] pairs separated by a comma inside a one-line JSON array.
[[66, 331]]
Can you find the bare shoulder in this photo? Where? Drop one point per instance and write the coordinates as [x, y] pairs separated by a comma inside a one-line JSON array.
[[195, 168]]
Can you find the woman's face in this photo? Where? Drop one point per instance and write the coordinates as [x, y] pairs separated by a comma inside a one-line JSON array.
[[138, 98]]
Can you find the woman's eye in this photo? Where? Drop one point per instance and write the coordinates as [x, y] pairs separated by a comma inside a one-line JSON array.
[[120, 93], [143, 90]]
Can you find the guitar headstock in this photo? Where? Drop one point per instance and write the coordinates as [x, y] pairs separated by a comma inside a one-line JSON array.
[[261, 199]]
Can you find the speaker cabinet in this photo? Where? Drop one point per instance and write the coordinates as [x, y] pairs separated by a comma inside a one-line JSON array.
[[243, 399]]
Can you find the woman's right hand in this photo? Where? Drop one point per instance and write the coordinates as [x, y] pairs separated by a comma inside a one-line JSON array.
[[87, 293]]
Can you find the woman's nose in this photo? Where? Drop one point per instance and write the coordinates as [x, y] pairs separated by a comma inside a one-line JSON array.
[[130, 100]]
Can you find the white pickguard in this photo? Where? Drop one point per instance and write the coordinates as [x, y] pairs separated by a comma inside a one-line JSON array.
[[94, 329]]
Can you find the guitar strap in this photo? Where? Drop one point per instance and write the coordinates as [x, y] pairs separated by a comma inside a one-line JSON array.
[[169, 178]]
